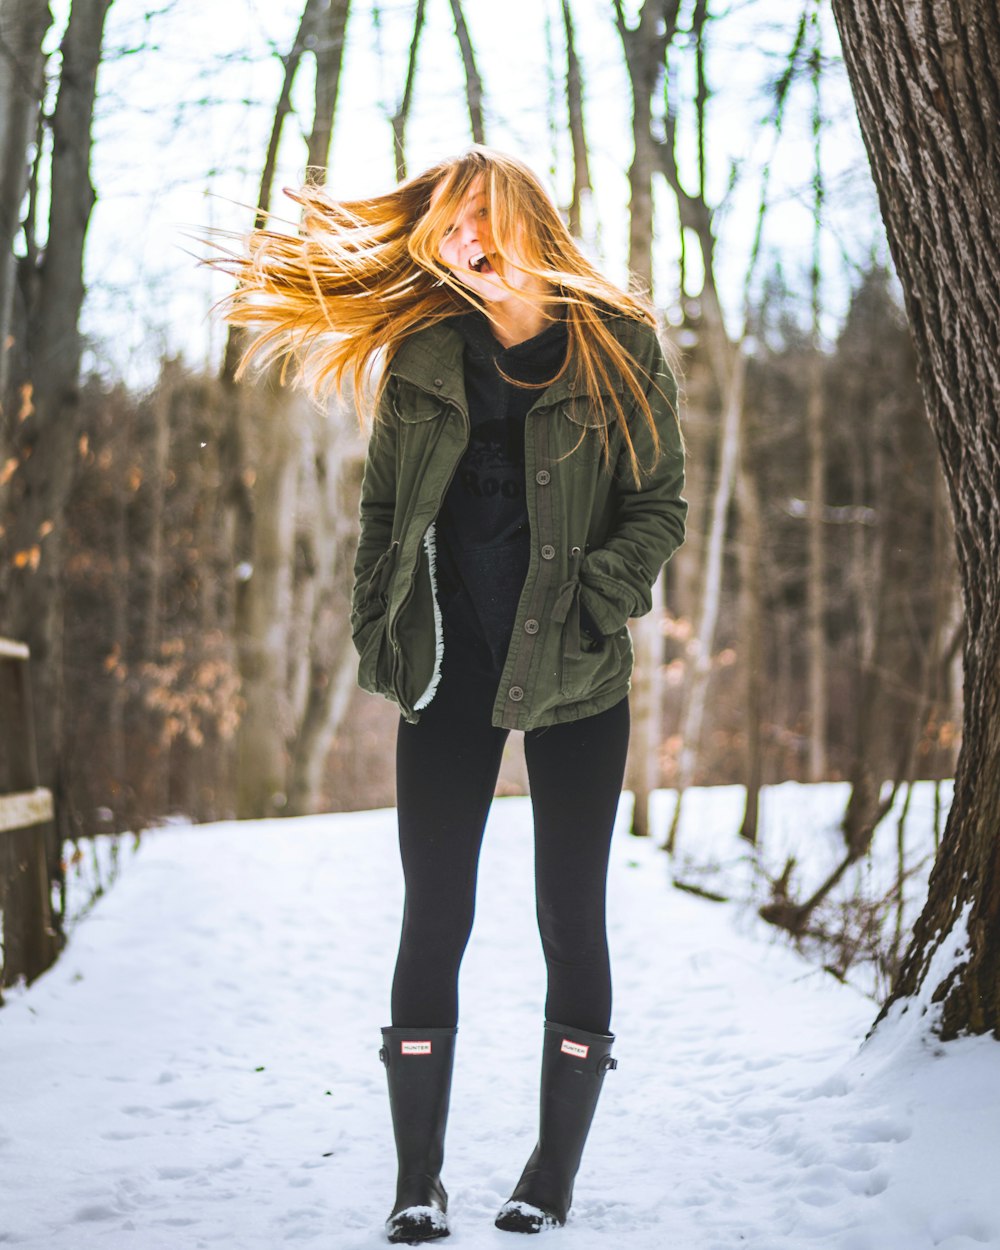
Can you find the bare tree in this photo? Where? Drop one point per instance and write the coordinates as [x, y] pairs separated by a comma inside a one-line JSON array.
[[402, 114], [583, 191], [23, 24], [287, 532], [816, 418], [928, 97], [46, 445], [328, 49], [473, 82], [645, 46]]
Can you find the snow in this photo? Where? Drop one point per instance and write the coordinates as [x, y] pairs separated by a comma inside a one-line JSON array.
[[201, 1068]]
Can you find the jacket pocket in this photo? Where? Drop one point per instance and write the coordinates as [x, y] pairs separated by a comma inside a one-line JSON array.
[[588, 664]]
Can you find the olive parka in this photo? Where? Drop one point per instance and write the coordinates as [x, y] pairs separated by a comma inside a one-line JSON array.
[[597, 539]]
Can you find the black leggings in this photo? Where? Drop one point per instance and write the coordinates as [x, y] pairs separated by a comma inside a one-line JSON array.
[[446, 772]]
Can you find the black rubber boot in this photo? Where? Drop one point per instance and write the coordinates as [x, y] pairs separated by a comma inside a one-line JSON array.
[[418, 1063], [573, 1068]]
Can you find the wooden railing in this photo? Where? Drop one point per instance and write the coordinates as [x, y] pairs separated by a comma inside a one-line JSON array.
[[30, 943]]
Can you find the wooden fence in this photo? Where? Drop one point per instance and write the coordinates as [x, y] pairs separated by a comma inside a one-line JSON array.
[[30, 943]]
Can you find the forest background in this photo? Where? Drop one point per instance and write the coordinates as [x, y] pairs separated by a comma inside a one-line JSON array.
[[177, 547]]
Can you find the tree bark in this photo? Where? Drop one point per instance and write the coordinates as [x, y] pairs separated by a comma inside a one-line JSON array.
[[645, 46], [272, 430], [725, 486], [926, 85], [402, 114], [329, 52], [581, 205], [23, 24], [473, 82], [47, 437], [815, 419], [646, 707], [290, 555], [751, 535], [305, 36], [816, 581]]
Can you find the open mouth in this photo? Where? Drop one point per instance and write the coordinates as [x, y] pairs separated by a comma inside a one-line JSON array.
[[480, 263]]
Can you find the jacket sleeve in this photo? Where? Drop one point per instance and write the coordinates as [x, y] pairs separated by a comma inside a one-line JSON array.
[[378, 509], [617, 578]]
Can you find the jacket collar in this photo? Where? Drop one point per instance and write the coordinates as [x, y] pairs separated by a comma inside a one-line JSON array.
[[432, 360]]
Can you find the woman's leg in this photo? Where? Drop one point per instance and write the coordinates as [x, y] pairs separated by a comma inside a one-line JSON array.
[[446, 771], [575, 771]]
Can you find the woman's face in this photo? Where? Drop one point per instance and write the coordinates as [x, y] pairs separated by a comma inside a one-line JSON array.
[[467, 250]]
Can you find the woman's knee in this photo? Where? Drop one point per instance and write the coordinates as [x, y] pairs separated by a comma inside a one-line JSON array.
[[436, 931]]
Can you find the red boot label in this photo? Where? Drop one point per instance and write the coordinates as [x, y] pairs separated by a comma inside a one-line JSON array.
[[576, 1049]]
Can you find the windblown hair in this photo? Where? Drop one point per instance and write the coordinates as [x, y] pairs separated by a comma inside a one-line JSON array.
[[339, 298]]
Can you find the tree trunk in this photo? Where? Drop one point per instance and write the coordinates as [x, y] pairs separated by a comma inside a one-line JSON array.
[[473, 82], [326, 663], [645, 47], [751, 639], [926, 85], [817, 450], [23, 24], [725, 486], [581, 222], [329, 52], [291, 562], [815, 417], [646, 707], [272, 429], [47, 438], [402, 114], [237, 336]]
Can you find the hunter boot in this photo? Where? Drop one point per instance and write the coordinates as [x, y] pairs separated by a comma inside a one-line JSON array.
[[418, 1063], [573, 1068]]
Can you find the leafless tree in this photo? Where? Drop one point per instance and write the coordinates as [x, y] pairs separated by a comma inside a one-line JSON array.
[[473, 81], [46, 443], [23, 24], [580, 204], [402, 114]]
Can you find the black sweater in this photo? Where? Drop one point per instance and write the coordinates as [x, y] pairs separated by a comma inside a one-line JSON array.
[[483, 531]]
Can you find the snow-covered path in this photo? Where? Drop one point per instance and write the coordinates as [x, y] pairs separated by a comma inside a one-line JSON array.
[[200, 1069]]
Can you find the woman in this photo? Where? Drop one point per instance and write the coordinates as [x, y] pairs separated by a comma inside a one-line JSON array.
[[521, 493]]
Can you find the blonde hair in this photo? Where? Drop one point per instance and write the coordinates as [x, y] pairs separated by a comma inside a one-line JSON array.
[[341, 296]]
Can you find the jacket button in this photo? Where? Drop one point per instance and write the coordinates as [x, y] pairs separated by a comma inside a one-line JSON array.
[[548, 552], [439, 381], [543, 477], [531, 627], [515, 693]]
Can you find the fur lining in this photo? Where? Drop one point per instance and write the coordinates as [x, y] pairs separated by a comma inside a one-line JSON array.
[[431, 548]]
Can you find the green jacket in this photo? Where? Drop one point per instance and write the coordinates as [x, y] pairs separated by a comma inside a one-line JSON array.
[[596, 538]]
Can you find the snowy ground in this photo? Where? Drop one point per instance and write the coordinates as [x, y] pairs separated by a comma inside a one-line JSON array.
[[200, 1069]]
